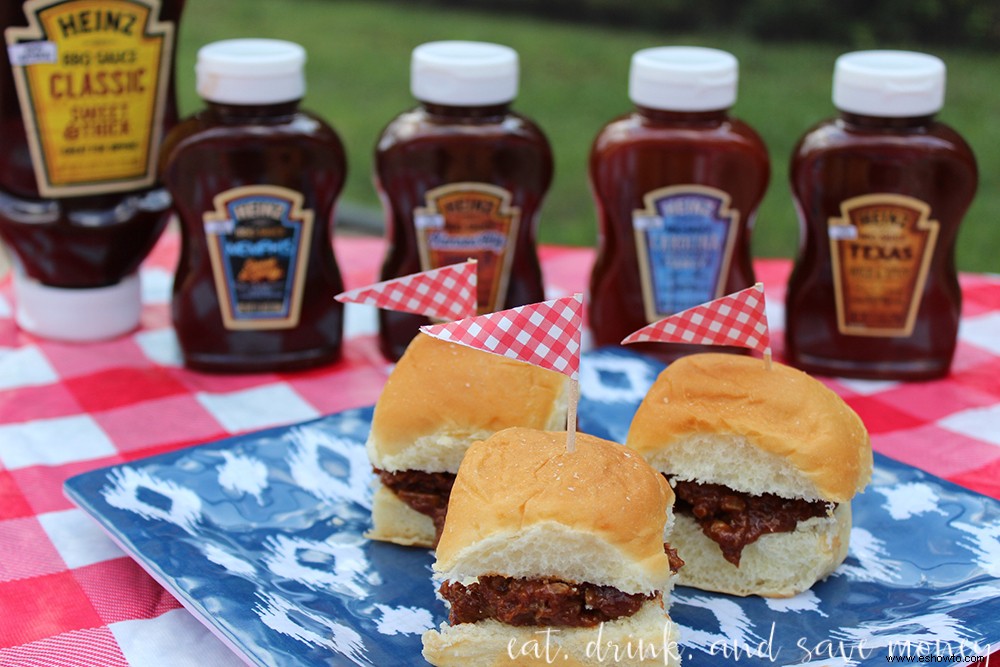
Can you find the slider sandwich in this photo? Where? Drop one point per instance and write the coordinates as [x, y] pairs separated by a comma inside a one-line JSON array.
[[554, 557], [439, 399], [764, 463]]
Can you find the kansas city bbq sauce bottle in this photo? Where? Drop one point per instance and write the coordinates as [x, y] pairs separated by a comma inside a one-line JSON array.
[[880, 191], [460, 176], [254, 180], [86, 94], [677, 183]]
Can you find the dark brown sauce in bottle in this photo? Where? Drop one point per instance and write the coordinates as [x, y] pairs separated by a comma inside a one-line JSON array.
[[80, 206], [459, 180], [255, 184], [678, 176], [874, 292]]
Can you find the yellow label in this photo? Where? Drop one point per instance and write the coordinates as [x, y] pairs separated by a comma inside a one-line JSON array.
[[92, 77], [470, 221], [881, 249]]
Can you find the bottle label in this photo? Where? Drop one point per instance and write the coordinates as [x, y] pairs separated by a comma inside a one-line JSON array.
[[258, 238], [881, 249], [464, 221], [684, 238], [92, 80]]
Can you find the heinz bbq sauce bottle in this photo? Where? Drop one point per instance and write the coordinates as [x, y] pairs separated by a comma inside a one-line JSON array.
[[880, 191], [677, 183], [462, 176], [86, 95], [254, 180]]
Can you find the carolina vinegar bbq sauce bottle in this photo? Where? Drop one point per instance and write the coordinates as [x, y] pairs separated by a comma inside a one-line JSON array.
[[462, 176], [86, 96], [254, 180], [880, 191], [677, 183]]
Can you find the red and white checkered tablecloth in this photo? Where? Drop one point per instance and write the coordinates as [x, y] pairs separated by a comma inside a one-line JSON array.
[[69, 596]]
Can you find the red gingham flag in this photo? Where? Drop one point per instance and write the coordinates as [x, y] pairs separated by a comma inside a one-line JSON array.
[[545, 334], [447, 293], [737, 319]]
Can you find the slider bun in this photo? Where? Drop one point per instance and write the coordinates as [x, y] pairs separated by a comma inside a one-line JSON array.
[[524, 507], [490, 643], [728, 419], [441, 397], [395, 521], [775, 565]]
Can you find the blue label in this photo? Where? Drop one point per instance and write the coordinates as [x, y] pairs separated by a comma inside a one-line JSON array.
[[684, 239], [257, 238]]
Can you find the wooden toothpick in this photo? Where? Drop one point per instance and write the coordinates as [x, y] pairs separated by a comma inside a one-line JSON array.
[[574, 398]]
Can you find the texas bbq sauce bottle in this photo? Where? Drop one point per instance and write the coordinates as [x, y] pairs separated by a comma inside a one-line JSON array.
[[254, 180], [880, 190], [462, 176], [86, 95], [677, 183]]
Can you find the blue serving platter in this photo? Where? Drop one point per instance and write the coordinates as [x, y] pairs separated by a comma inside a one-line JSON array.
[[261, 536]]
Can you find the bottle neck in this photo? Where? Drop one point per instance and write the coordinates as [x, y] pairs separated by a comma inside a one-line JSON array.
[[252, 113], [467, 112], [670, 117], [885, 123]]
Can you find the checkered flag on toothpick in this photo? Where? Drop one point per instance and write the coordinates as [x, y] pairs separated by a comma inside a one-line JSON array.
[[545, 334], [737, 319], [447, 293]]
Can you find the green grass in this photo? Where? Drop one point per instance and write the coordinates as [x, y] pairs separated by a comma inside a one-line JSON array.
[[573, 80]]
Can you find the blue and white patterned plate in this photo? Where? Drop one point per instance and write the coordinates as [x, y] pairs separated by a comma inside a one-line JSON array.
[[261, 537]]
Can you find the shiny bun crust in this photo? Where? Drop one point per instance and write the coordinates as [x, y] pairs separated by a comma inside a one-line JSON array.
[[524, 507], [441, 397], [728, 419]]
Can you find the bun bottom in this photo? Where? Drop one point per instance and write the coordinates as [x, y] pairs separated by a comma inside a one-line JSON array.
[[395, 521], [494, 644], [777, 565]]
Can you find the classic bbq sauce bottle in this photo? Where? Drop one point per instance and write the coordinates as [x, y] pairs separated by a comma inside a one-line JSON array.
[[460, 176], [880, 190], [254, 181], [86, 94], [677, 183]]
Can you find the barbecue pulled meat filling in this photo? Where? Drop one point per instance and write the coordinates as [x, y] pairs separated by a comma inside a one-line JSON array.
[[676, 562], [734, 519], [526, 602], [424, 492]]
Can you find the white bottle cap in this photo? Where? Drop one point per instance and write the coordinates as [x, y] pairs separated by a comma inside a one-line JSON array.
[[683, 78], [251, 71], [76, 315], [464, 73], [889, 84]]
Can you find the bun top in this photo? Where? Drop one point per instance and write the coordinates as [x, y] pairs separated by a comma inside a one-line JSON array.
[[523, 506], [442, 396], [779, 420]]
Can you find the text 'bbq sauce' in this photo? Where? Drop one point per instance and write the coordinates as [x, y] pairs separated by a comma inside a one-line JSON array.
[[254, 181], [880, 191], [677, 183], [86, 95], [462, 176]]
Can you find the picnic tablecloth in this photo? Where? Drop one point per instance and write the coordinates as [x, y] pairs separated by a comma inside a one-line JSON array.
[[70, 596]]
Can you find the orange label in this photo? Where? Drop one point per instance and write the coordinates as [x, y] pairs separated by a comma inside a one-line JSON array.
[[92, 77], [881, 248], [470, 221]]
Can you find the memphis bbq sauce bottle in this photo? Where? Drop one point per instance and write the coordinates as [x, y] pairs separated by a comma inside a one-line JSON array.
[[254, 180], [881, 190], [677, 183], [462, 176], [86, 95]]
